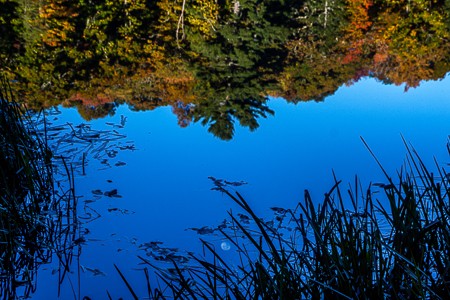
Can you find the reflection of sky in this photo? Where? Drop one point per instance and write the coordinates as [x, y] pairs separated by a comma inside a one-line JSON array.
[[165, 181]]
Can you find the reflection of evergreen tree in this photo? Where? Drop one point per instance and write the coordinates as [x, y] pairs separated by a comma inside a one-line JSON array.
[[220, 114], [250, 37], [236, 67]]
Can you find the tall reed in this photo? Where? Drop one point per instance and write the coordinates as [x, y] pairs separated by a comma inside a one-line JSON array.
[[333, 250], [36, 220]]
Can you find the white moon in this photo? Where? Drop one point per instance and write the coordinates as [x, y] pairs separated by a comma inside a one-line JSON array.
[[225, 246]]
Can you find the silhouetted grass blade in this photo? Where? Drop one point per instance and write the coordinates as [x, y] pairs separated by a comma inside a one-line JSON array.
[[126, 283], [37, 218]]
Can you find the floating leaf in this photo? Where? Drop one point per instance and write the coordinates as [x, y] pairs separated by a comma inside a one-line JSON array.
[[279, 210], [97, 192], [244, 219], [235, 183], [80, 240], [127, 147], [203, 230], [110, 193], [94, 271], [91, 136], [154, 245], [111, 153]]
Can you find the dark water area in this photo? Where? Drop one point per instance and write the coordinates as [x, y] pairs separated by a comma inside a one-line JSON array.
[[149, 100]]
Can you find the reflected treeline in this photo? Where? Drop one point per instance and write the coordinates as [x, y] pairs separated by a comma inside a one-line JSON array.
[[215, 61]]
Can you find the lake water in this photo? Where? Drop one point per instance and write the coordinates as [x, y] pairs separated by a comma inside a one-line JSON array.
[[164, 185]]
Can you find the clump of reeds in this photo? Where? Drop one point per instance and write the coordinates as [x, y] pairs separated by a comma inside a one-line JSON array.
[[370, 250], [35, 220]]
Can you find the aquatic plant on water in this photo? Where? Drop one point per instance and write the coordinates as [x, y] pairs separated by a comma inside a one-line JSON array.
[[368, 250], [37, 217]]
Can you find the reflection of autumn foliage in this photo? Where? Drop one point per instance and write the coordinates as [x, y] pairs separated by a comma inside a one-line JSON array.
[[174, 52], [95, 104], [410, 39], [90, 112], [407, 71], [166, 86], [312, 75], [86, 100], [387, 42], [56, 18], [143, 91], [355, 33], [175, 89]]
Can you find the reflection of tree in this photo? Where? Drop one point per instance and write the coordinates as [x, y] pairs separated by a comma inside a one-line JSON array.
[[314, 67], [219, 114], [92, 112], [216, 54], [229, 95], [311, 75], [236, 67], [413, 40], [249, 38], [322, 20]]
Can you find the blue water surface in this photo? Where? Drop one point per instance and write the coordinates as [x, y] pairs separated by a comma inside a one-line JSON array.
[[165, 187]]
